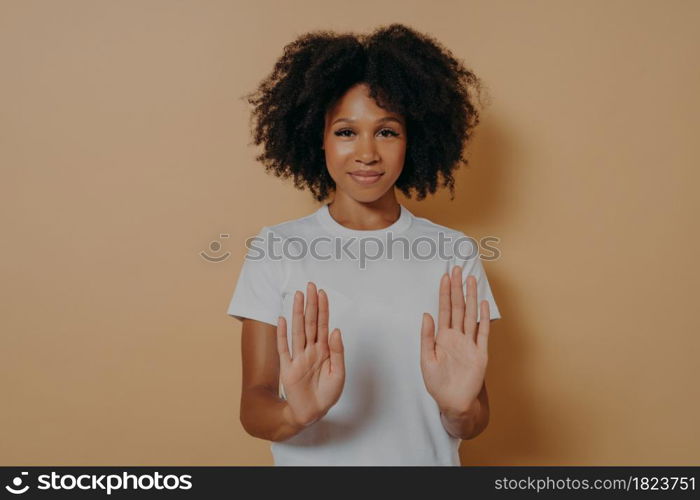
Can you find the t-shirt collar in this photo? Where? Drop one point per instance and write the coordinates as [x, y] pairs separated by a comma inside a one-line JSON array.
[[334, 227]]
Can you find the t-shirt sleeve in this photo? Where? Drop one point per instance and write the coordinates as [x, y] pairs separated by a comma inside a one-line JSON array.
[[258, 291], [468, 257]]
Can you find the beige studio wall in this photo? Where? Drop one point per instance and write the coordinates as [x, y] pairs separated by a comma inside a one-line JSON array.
[[124, 154]]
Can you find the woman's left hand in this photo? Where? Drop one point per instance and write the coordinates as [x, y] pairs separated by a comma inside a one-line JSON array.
[[454, 363]]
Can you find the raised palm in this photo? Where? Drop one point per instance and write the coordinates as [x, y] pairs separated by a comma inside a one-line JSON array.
[[313, 374], [453, 363]]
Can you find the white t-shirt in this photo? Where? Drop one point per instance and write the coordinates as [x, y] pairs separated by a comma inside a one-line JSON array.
[[385, 415]]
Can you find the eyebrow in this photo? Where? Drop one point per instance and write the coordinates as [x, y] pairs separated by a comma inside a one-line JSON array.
[[381, 120]]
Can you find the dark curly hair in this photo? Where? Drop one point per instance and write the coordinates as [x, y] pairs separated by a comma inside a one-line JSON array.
[[407, 72]]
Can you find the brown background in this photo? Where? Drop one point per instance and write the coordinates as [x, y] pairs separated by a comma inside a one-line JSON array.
[[124, 153]]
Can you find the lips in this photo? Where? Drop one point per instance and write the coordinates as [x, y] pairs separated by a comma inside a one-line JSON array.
[[365, 177], [366, 173]]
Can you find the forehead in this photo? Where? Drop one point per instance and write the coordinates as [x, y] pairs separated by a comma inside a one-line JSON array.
[[357, 105]]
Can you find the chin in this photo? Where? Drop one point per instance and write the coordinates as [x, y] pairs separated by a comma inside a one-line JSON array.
[[366, 195]]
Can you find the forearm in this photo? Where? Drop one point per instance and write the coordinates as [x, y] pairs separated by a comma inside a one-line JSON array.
[[267, 416], [467, 424]]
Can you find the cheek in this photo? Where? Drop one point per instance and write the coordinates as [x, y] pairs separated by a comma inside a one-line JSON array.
[[334, 164], [337, 156], [339, 152], [394, 158]]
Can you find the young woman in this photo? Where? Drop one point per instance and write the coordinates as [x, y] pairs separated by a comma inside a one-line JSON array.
[[366, 377]]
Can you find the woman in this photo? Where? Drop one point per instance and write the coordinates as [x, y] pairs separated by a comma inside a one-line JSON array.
[[358, 117]]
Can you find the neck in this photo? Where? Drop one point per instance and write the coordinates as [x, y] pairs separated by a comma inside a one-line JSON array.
[[366, 216]]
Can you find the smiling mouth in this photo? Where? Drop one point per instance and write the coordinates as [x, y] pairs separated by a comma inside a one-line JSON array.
[[364, 178]]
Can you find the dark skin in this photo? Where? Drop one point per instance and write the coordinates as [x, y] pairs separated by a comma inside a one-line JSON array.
[[359, 135]]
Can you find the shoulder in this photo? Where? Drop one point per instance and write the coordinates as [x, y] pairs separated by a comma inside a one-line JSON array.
[[299, 227], [426, 227], [453, 243]]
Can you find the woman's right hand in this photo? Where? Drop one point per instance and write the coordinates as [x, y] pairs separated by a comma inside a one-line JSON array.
[[314, 375]]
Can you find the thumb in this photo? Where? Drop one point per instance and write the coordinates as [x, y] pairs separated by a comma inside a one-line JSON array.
[[337, 351], [427, 336]]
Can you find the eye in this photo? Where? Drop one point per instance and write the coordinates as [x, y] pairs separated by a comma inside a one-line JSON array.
[[342, 133], [391, 132]]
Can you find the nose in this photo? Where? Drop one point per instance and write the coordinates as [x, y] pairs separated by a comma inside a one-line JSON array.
[[367, 150]]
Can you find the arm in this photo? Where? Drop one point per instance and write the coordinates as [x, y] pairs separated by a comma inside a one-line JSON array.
[[471, 422], [263, 413]]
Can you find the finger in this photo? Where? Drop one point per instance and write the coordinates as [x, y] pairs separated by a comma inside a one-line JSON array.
[[427, 338], [457, 299], [337, 353], [311, 313], [282, 345], [298, 340], [323, 320], [444, 310], [472, 301], [482, 341]]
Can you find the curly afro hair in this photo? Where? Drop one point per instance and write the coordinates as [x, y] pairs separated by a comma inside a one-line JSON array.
[[407, 73]]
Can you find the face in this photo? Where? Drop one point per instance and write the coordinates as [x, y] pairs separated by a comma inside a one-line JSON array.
[[365, 146]]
